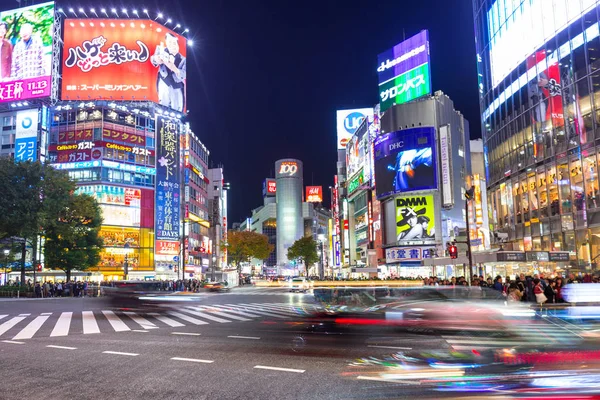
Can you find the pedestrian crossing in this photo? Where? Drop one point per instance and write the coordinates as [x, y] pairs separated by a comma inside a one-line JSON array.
[[265, 292], [527, 335], [60, 324]]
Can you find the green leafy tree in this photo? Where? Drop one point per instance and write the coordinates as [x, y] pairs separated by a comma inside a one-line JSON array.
[[304, 250], [73, 239], [243, 245]]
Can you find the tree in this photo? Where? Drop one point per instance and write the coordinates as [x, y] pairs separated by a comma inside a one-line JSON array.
[[243, 245], [304, 250], [73, 238]]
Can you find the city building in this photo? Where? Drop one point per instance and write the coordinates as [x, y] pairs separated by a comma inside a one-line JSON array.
[[290, 224], [217, 194], [537, 85]]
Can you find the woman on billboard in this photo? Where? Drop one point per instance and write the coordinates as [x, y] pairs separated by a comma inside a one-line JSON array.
[[170, 82]]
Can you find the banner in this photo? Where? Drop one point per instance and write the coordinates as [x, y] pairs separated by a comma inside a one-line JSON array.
[[446, 160], [415, 218], [26, 135], [120, 59], [26, 52], [405, 161], [399, 254], [168, 173]]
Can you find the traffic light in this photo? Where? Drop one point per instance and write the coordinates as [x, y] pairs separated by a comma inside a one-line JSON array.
[[453, 251], [38, 268]]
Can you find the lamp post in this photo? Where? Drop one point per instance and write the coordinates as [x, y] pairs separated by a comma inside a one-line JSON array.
[[6, 253], [321, 239]]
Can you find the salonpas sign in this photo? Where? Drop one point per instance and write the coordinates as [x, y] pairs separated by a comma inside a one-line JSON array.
[[406, 87]]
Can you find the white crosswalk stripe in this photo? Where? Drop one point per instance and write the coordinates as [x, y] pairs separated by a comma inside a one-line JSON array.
[[62, 324]]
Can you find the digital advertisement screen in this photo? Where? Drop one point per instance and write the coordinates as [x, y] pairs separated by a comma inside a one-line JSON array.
[[405, 161], [404, 72], [348, 122], [515, 29], [117, 59], [26, 52], [415, 218]]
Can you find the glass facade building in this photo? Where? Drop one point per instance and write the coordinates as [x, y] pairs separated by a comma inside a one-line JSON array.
[[539, 86]]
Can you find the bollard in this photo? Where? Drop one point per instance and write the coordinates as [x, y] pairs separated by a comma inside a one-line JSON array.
[[18, 293]]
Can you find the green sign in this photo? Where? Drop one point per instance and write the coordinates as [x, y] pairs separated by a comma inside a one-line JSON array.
[[356, 182], [406, 87]]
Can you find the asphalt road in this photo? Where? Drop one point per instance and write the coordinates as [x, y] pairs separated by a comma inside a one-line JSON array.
[[246, 344]]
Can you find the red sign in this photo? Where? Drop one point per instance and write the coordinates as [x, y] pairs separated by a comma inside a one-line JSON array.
[[71, 156], [167, 248], [132, 194], [346, 225], [271, 186], [314, 194], [123, 60]]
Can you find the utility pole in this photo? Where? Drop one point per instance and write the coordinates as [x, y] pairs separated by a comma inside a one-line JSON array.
[[469, 197]]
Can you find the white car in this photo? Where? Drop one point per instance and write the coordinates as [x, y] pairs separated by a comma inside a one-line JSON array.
[[299, 285]]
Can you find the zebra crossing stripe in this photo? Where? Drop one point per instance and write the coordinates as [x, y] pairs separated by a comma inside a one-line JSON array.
[[166, 320], [230, 310], [115, 322], [3, 316], [143, 322], [10, 324], [187, 318], [31, 328], [191, 310], [275, 310], [262, 311], [222, 313], [89, 323], [62, 325]]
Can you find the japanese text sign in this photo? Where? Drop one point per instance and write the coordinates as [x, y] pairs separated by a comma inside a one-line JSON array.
[[167, 179]]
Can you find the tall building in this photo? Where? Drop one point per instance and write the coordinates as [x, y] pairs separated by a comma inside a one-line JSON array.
[[538, 68], [290, 224], [217, 195]]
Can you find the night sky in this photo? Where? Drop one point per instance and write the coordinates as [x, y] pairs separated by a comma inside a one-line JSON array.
[[265, 77]]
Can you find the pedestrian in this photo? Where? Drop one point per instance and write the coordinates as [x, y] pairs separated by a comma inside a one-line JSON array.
[[514, 294], [550, 292], [498, 284], [538, 291], [38, 290]]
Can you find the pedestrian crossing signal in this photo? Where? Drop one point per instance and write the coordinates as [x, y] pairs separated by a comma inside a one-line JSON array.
[[453, 251]]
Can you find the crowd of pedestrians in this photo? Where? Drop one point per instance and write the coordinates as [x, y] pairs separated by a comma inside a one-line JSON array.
[[534, 289], [56, 289]]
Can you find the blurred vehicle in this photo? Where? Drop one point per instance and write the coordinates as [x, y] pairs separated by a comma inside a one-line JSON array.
[[217, 286], [299, 284], [133, 293]]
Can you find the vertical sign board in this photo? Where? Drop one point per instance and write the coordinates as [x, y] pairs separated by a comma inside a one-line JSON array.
[[168, 201], [26, 135], [446, 161]]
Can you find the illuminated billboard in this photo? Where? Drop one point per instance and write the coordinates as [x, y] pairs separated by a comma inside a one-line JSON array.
[[405, 161], [26, 135], [117, 59], [168, 201], [348, 122], [415, 216], [269, 187], [404, 72], [515, 29], [314, 194], [26, 52]]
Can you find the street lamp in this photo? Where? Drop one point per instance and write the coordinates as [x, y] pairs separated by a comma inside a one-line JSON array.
[[321, 239], [6, 253]]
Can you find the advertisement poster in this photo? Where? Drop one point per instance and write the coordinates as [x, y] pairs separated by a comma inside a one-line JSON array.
[[314, 194], [119, 59], [269, 187], [415, 218], [167, 180], [348, 122], [26, 52], [405, 161], [26, 135], [404, 71]]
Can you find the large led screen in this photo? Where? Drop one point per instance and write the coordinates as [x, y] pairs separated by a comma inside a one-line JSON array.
[[116, 59], [26, 52], [405, 161], [517, 28], [403, 71]]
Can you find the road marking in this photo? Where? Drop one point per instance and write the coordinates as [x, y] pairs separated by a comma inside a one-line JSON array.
[[12, 342], [10, 323], [185, 333], [119, 353], [115, 322], [270, 309], [166, 320], [24, 315], [31, 328], [220, 313], [143, 322], [187, 318], [61, 347], [253, 311], [244, 337], [263, 311], [62, 325], [140, 331], [89, 323], [192, 360], [390, 347], [46, 313], [298, 371], [3, 316], [204, 315], [244, 313]]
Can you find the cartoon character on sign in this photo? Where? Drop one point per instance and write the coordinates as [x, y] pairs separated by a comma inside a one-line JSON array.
[[6, 51], [414, 169], [27, 57], [171, 65]]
